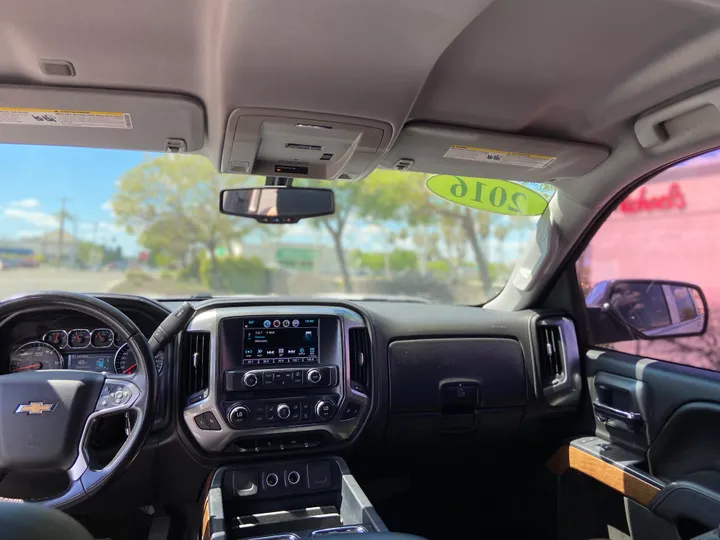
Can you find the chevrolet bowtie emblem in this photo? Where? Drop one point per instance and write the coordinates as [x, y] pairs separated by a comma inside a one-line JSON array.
[[35, 407]]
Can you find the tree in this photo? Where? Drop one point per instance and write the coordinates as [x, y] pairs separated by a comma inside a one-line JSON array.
[[172, 202], [403, 259], [475, 225], [378, 197]]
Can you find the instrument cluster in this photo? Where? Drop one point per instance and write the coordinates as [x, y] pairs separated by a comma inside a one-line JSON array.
[[99, 349]]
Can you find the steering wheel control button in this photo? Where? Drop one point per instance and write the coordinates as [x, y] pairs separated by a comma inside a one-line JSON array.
[[250, 380], [238, 416], [314, 376], [324, 409], [116, 394], [351, 410], [283, 411]]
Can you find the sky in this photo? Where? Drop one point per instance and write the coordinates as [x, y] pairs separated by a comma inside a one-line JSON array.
[[36, 179]]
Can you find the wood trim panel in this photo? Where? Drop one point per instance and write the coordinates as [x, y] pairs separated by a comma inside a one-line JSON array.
[[205, 530], [569, 457]]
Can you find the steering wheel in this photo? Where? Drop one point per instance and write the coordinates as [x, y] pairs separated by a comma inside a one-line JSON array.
[[46, 415]]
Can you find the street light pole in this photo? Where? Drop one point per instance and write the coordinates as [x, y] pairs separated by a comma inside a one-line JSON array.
[[61, 230]]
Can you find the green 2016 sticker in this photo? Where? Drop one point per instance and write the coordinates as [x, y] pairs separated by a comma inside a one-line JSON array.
[[498, 196]]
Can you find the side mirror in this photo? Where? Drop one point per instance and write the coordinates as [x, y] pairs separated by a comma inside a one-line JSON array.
[[653, 309], [277, 204]]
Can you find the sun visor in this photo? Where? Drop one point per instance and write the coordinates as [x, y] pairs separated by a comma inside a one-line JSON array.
[[302, 145], [438, 149], [100, 119]]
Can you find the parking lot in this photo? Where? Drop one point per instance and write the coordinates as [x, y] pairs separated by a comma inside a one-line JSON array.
[[18, 280]]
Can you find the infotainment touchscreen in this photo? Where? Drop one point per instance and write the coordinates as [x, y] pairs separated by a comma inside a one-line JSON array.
[[280, 340]]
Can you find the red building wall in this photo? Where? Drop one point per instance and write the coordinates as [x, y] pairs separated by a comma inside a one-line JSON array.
[[667, 229]]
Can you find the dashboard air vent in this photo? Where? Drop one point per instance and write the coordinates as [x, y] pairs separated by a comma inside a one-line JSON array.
[[552, 354], [558, 361], [360, 359], [196, 365]]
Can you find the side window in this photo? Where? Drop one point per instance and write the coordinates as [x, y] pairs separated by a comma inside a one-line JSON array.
[[668, 229]]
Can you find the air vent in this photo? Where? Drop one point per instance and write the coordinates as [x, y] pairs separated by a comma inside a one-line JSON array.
[[360, 359], [196, 365], [551, 354], [558, 361]]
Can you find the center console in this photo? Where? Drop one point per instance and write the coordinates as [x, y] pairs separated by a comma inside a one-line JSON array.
[[288, 500], [279, 378]]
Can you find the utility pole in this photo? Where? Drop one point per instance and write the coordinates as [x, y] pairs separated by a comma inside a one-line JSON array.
[[61, 230]]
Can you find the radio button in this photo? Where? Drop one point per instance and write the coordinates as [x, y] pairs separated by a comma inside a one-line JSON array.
[[250, 379], [297, 377], [314, 376], [268, 378], [282, 378]]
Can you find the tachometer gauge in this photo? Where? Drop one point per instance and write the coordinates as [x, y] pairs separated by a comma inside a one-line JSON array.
[[35, 355], [125, 363], [102, 337], [56, 338], [79, 339]]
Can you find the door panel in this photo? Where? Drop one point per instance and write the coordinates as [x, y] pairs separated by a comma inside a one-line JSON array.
[[668, 416], [667, 386]]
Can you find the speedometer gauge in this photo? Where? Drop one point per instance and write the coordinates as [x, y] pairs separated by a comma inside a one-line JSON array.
[[35, 355], [125, 362]]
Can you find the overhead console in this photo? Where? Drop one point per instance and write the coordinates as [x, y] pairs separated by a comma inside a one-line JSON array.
[[275, 378], [302, 145]]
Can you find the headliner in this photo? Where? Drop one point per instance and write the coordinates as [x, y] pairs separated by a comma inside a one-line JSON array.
[[578, 70]]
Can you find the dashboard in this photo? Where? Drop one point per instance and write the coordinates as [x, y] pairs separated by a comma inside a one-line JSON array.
[[255, 378]]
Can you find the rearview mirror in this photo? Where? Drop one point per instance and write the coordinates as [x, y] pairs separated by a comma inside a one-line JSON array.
[[277, 204], [653, 309]]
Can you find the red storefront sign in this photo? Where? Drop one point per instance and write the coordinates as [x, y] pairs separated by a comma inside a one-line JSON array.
[[673, 199]]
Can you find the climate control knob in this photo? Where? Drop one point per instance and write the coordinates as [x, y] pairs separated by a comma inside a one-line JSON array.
[[250, 380], [314, 376], [324, 409], [283, 411], [238, 415]]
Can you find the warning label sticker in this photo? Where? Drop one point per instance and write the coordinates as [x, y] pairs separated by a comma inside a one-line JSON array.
[[64, 118], [498, 157]]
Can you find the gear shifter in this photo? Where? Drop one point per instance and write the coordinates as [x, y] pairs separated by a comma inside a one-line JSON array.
[[171, 326]]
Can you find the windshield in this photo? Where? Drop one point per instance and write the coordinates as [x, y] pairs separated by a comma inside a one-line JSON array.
[[90, 220]]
